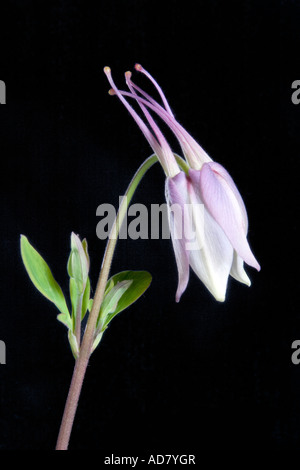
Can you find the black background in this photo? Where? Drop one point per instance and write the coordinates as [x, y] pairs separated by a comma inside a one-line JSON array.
[[167, 377]]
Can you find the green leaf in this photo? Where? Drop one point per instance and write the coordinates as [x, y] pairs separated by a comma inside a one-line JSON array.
[[86, 298], [73, 344], [109, 285], [74, 297], [110, 302], [65, 319], [97, 341], [122, 290], [85, 247], [41, 276], [90, 304]]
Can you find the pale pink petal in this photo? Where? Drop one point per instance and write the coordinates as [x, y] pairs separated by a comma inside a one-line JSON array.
[[220, 170], [237, 270], [176, 196], [219, 195], [212, 256]]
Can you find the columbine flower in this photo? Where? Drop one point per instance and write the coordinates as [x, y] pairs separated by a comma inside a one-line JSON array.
[[219, 247]]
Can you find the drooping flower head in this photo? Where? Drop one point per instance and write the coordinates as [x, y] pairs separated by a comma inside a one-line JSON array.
[[220, 245]]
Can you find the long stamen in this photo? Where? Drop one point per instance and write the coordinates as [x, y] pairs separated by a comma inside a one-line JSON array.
[[146, 95], [153, 143], [151, 121], [189, 145], [163, 153], [165, 117], [185, 139], [141, 69], [144, 109]]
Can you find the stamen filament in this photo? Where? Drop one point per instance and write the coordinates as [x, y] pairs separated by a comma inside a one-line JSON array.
[[189, 145], [157, 131], [153, 143], [161, 148], [141, 69], [185, 139]]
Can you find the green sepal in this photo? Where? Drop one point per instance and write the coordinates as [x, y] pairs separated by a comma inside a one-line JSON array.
[[85, 247], [73, 295], [78, 262], [78, 268]]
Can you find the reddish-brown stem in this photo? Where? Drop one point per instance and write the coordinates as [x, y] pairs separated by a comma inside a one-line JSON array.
[[89, 334]]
